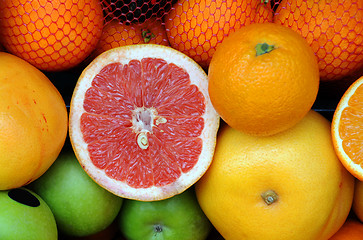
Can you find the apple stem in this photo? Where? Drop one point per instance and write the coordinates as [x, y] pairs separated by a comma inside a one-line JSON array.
[[158, 228]]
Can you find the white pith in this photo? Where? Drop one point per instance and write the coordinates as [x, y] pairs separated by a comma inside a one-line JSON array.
[[123, 55], [143, 123]]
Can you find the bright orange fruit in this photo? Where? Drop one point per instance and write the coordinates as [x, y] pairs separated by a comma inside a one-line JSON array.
[[33, 122], [351, 230], [334, 30], [263, 78], [52, 35], [117, 34], [135, 11], [347, 129], [197, 27], [141, 121]]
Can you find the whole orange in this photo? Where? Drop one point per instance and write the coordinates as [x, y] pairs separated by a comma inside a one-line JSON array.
[[52, 35], [197, 27], [358, 199], [351, 230], [33, 122], [287, 186], [334, 30], [263, 78], [117, 34], [135, 11]]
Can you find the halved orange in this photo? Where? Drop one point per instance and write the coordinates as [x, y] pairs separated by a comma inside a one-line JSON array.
[[347, 129], [141, 121]]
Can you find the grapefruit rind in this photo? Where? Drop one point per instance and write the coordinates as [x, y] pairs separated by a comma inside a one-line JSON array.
[[123, 55], [354, 168]]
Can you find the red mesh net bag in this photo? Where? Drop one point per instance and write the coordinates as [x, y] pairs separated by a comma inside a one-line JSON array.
[[133, 22], [57, 35], [135, 11], [194, 27], [334, 30], [52, 35]]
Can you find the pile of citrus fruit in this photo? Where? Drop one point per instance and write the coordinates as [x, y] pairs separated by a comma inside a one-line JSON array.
[[181, 119]]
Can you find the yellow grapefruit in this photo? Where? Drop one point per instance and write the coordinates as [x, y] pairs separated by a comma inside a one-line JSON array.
[[286, 186]]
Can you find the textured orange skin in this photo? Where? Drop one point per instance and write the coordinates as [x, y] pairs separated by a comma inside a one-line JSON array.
[[314, 190], [334, 30], [351, 230], [265, 94], [33, 122], [116, 34], [51, 35], [197, 27]]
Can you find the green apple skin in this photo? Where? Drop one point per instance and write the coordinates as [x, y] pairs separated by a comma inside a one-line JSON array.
[[24, 215], [176, 218], [80, 206]]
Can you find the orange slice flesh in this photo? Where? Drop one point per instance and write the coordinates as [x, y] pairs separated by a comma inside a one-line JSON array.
[[347, 129], [141, 122]]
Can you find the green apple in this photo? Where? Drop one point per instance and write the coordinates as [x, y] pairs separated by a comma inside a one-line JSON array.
[[110, 233], [24, 215], [176, 218], [80, 206]]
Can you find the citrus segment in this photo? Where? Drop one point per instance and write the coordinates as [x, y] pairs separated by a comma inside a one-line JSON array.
[[141, 121], [347, 129]]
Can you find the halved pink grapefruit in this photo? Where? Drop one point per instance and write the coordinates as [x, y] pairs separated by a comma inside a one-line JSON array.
[[141, 121]]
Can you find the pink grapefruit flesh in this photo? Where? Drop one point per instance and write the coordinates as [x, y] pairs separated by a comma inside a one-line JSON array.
[[141, 122]]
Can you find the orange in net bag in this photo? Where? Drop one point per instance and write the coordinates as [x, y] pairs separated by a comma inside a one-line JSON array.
[[129, 22], [135, 11], [197, 27], [52, 35], [117, 34], [334, 30]]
